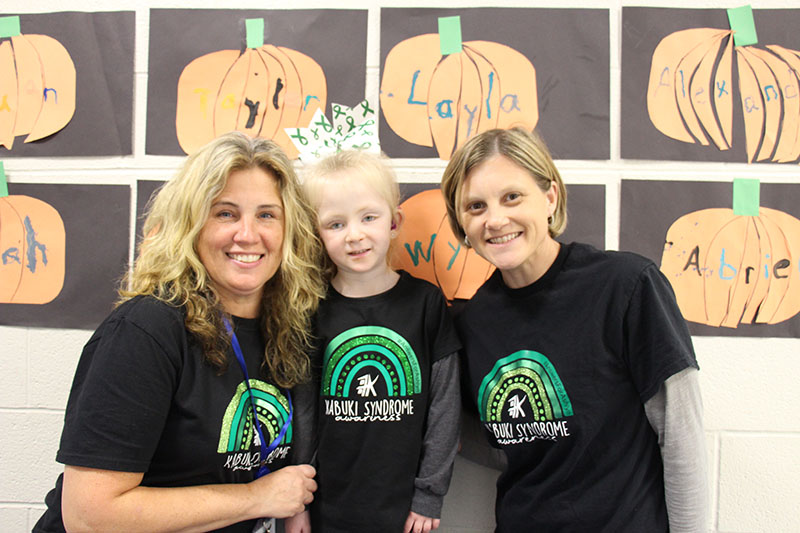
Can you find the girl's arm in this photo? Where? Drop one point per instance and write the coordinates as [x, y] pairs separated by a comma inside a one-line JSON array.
[[676, 414], [440, 442], [299, 523], [106, 500]]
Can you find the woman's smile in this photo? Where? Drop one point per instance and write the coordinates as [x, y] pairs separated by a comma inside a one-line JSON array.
[[504, 214], [241, 242]]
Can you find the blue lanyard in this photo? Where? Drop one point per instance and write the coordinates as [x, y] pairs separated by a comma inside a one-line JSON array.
[[265, 450]]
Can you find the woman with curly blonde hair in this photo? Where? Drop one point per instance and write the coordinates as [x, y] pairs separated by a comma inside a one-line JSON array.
[[180, 415]]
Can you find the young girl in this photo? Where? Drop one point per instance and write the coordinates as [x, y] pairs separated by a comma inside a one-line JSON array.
[[389, 391]]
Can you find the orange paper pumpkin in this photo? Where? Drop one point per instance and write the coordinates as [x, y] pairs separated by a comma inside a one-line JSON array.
[[432, 100], [426, 248], [728, 269], [32, 247], [689, 94], [259, 91], [37, 85]]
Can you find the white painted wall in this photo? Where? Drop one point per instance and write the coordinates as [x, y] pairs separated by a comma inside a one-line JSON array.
[[749, 385]]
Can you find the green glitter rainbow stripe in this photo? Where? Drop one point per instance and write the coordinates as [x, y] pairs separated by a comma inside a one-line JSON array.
[[531, 373], [372, 346], [272, 409]]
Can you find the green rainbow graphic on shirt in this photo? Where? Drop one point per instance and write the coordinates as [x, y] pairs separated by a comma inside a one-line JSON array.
[[272, 408], [373, 347], [526, 374]]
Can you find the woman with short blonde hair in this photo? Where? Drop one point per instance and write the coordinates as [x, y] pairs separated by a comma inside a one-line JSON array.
[[577, 361]]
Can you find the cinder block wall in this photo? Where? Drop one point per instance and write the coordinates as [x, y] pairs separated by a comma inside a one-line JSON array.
[[749, 385]]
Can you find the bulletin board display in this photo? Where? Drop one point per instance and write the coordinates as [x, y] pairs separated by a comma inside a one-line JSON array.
[[66, 84], [64, 252], [732, 254], [542, 68], [257, 71], [691, 92]]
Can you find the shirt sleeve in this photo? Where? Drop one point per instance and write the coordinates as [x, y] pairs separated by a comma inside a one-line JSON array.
[[304, 397], [440, 328], [440, 442], [120, 400], [675, 413], [657, 339]]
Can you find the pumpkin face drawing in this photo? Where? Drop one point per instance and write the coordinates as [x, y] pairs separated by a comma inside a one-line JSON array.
[[259, 91], [32, 248], [37, 85], [426, 248], [438, 101], [729, 269], [689, 94]]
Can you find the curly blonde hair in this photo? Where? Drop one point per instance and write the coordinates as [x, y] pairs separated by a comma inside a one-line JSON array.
[[168, 267], [523, 147]]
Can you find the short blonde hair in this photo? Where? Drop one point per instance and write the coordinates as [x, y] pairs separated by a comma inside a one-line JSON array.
[[372, 169], [521, 146], [369, 168], [169, 268]]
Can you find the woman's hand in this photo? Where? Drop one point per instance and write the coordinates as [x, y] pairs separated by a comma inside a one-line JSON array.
[[416, 523], [285, 492]]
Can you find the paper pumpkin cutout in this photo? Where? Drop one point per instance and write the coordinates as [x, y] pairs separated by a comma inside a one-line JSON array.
[[37, 86], [260, 91], [33, 251], [438, 101], [689, 95], [728, 269], [426, 248]]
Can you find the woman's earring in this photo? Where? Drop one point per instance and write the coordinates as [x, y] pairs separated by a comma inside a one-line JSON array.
[[466, 242], [550, 220]]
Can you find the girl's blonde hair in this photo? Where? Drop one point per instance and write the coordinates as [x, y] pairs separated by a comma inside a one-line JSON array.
[[521, 146], [168, 267], [371, 169]]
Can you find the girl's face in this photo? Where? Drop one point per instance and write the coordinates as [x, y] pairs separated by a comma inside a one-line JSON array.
[[504, 214], [355, 223]]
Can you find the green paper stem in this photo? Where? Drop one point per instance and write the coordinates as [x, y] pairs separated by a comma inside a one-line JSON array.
[[9, 26], [255, 32], [450, 35], [3, 182], [743, 25], [746, 197]]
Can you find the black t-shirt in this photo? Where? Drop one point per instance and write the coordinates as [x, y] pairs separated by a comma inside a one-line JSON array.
[[144, 400], [376, 355], [559, 372]]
